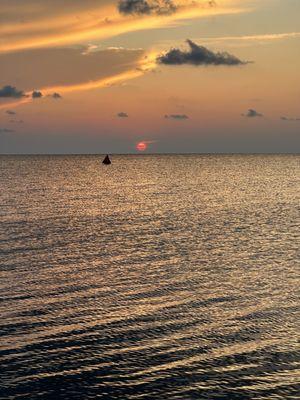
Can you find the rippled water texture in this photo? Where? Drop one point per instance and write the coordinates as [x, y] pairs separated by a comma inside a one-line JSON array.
[[159, 277]]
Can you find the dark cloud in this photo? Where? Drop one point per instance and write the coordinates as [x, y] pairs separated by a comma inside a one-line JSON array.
[[122, 115], [198, 55], [177, 116], [10, 112], [11, 91], [289, 119], [146, 7], [252, 114], [56, 96], [36, 94], [6, 130]]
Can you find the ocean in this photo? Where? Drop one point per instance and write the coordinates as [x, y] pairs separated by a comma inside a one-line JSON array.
[[158, 277]]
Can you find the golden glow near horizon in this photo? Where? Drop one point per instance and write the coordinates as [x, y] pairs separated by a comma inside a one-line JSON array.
[[104, 66]]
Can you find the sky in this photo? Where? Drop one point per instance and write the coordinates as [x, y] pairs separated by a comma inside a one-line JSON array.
[[149, 76]]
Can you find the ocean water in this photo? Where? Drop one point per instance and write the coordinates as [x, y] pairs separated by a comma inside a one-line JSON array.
[[159, 277]]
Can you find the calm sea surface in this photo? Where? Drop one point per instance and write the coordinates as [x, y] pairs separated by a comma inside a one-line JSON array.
[[159, 277]]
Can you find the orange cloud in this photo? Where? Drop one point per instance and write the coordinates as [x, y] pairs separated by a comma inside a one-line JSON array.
[[99, 23], [143, 65]]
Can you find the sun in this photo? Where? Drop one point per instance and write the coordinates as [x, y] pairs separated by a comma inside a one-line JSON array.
[[141, 146]]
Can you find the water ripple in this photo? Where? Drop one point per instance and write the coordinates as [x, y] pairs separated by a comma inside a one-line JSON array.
[[162, 277]]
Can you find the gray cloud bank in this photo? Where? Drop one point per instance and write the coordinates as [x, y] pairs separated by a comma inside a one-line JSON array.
[[147, 7], [198, 55]]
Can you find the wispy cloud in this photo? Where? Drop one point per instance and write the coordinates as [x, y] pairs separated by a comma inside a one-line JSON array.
[[137, 69], [6, 130], [240, 41], [16, 103], [96, 70], [289, 119], [20, 121], [51, 26], [255, 38]]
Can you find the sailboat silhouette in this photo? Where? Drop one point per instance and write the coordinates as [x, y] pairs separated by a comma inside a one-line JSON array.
[[106, 160]]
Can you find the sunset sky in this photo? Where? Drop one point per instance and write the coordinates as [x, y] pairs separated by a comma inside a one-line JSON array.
[[101, 76]]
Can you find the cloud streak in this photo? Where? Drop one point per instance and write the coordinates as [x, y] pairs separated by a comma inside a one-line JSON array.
[[89, 71], [101, 83], [137, 68], [249, 39], [289, 119], [52, 26], [198, 55]]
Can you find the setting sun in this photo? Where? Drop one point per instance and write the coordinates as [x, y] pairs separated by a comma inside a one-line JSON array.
[[141, 146]]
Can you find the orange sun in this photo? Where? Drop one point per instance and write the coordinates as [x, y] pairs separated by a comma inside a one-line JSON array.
[[141, 146]]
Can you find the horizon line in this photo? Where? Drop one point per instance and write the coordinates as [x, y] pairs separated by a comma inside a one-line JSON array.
[[150, 154]]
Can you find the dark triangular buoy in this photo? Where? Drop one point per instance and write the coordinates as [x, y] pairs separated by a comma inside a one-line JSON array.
[[106, 160]]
